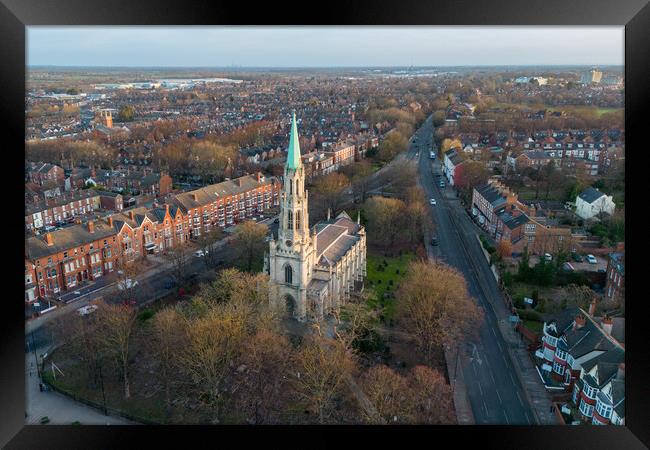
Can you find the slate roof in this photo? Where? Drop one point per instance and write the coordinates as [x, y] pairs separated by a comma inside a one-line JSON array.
[[490, 194], [590, 195], [66, 238], [211, 193], [335, 238]]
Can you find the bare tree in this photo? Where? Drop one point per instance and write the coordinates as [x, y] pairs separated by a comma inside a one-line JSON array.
[[208, 243], [179, 256], [322, 367], [167, 340], [435, 305], [115, 327], [331, 188], [250, 242]]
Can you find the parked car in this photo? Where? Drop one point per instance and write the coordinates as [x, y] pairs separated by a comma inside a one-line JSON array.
[[434, 241], [433, 201], [49, 228], [200, 253], [277, 220], [548, 257], [568, 267], [577, 257], [442, 184], [127, 284], [591, 259], [84, 311]]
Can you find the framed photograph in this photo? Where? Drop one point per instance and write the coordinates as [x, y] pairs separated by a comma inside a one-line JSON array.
[[387, 221]]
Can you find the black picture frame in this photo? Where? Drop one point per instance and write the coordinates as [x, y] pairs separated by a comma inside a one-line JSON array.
[[15, 15]]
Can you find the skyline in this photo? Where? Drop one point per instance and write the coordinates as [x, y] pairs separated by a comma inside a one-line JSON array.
[[322, 47]]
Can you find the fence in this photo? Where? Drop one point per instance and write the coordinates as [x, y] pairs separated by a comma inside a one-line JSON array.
[[107, 410]]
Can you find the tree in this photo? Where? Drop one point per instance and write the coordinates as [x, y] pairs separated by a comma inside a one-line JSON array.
[[126, 113], [436, 306], [249, 242], [385, 219], [115, 327], [179, 256], [434, 397], [331, 189], [127, 273], [390, 394], [504, 249], [167, 330], [359, 174], [208, 243], [321, 369], [393, 144], [262, 382]]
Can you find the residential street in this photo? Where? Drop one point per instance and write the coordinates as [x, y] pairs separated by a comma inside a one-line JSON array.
[[493, 385]]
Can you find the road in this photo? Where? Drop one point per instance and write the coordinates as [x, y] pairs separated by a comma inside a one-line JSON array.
[[493, 388]]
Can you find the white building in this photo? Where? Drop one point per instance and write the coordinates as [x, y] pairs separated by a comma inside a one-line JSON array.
[[312, 271], [592, 202], [450, 162]]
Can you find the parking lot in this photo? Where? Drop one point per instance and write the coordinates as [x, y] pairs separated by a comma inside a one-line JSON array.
[[580, 266]]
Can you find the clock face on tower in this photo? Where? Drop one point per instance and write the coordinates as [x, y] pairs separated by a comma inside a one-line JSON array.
[[289, 243]]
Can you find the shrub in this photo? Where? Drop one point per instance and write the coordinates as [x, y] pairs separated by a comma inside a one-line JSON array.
[[526, 314], [145, 315]]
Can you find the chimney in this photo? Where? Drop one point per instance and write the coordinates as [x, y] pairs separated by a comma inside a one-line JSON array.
[[592, 307], [132, 215], [167, 208], [49, 239], [110, 221], [91, 226], [259, 177], [193, 195], [579, 322], [620, 374], [607, 323]]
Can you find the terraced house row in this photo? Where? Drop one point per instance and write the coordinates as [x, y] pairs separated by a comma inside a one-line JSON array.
[[61, 260]]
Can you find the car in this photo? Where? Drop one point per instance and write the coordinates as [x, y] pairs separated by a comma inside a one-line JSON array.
[[577, 257], [433, 201], [169, 283], [442, 184], [49, 228], [434, 241], [602, 271], [548, 257], [568, 267], [200, 253], [88, 309], [127, 284], [591, 259], [276, 220]]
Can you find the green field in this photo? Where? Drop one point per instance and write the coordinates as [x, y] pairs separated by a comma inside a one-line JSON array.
[[533, 325], [380, 276]]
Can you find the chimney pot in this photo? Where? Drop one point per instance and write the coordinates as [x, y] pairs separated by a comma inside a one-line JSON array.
[[49, 239], [110, 221], [579, 322], [592, 307], [132, 215], [91, 226]]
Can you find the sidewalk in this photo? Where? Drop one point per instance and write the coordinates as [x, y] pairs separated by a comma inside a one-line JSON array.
[[464, 415], [60, 409]]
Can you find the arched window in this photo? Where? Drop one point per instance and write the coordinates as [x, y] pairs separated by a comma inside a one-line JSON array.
[[297, 220], [288, 274], [297, 190], [290, 187], [290, 220]]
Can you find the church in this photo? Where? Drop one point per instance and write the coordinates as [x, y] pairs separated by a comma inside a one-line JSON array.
[[313, 271]]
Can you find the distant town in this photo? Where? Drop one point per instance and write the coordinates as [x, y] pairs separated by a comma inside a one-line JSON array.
[[309, 246]]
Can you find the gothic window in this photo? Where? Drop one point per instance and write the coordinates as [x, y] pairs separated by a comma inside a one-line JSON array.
[[288, 274], [290, 188], [290, 220], [298, 220]]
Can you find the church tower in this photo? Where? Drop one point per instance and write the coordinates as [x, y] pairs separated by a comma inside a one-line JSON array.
[[292, 256]]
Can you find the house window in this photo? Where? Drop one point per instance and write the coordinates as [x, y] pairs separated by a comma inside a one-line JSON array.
[[288, 274]]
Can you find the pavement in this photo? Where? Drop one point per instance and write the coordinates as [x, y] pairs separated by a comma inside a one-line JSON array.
[[61, 410], [494, 378]]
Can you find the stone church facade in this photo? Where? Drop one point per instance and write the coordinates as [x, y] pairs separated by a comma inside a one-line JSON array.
[[312, 271]]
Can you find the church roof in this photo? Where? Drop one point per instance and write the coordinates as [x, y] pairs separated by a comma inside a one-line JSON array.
[[293, 151], [335, 240]]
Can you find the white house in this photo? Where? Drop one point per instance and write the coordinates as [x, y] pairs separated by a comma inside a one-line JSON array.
[[592, 202], [451, 161]]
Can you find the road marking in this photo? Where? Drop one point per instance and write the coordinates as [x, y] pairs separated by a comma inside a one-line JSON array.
[[512, 378], [492, 329], [500, 402], [528, 418], [519, 397], [504, 359], [499, 344], [487, 413], [492, 376], [479, 388], [474, 367], [504, 413]]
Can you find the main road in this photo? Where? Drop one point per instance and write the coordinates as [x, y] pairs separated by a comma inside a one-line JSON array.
[[494, 390]]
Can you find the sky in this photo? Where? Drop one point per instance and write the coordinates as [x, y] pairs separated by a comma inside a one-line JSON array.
[[221, 46]]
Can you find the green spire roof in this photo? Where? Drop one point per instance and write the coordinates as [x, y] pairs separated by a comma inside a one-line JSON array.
[[293, 152]]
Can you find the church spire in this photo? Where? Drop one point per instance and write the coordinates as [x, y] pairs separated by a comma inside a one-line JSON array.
[[293, 152]]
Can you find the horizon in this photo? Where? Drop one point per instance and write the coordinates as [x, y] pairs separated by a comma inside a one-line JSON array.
[[323, 47]]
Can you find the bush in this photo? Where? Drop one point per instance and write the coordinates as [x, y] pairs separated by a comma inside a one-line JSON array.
[[507, 279], [145, 315]]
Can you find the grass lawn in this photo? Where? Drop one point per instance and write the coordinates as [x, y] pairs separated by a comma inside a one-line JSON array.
[[534, 326], [380, 277]]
